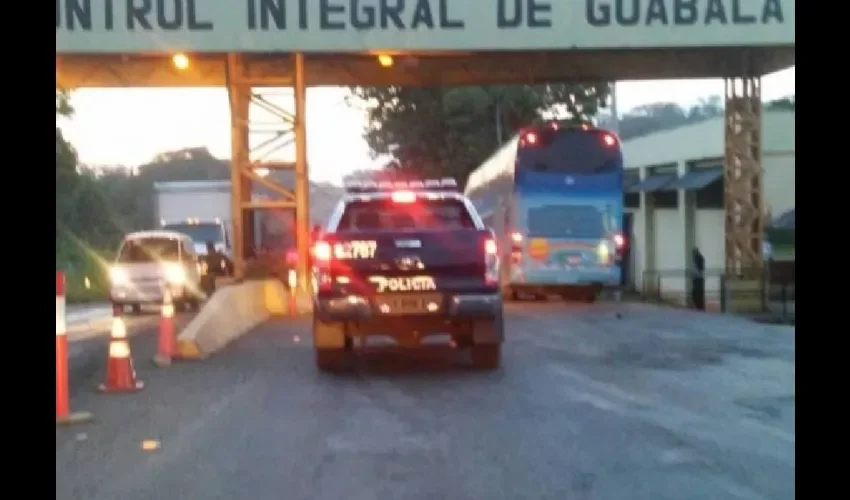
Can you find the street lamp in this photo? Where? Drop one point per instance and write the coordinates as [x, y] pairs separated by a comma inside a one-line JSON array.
[[180, 61], [385, 60]]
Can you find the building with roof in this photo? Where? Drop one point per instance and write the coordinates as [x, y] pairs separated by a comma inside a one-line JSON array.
[[674, 197]]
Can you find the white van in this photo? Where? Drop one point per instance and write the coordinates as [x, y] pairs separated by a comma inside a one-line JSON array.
[[148, 263]]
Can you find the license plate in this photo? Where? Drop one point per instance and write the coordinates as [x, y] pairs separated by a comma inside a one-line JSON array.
[[574, 260], [409, 304]]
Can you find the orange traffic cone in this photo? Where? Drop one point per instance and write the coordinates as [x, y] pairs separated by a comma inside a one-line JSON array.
[[167, 340], [120, 374]]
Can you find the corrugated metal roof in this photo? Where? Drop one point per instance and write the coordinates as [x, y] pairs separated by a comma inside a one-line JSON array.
[[705, 140]]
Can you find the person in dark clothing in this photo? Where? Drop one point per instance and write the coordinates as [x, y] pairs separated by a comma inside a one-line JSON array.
[[698, 280], [216, 266]]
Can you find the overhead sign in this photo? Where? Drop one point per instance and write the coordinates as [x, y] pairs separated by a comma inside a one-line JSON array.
[[97, 26]]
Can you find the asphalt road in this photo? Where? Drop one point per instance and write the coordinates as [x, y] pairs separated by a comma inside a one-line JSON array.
[[658, 404]]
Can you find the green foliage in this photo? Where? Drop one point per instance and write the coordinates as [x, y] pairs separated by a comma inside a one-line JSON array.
[[658, 116], [80, 262], [450, 130], [63, 104], [83, 220], [785, 104]]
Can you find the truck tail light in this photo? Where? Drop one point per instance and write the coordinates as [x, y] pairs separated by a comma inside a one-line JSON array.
[[619, 246], [322, 252], [490, 247], [322, 255], [491, 262]]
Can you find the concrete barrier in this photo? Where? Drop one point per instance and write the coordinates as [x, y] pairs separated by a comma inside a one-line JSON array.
[[277, 298], [233, 311]]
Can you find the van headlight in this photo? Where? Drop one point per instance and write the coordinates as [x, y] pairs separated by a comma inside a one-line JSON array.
[[604, 252], [117, 276], [175, 274]]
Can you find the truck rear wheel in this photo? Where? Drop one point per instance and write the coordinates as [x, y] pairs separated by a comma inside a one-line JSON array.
[[330, 355], [486, 356], [509, 294], [331, 360]]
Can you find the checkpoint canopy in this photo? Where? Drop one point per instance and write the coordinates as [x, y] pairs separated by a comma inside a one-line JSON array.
[[461, 40]]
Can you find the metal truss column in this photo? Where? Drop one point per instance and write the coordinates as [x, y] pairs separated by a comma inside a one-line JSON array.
[[302, 183], [239, 94], [744, 216], [251, 166]]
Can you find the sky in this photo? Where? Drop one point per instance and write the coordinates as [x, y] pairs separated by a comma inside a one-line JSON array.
[[131, 126]]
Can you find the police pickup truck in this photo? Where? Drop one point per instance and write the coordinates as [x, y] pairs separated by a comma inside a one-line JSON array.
[[406, 260]]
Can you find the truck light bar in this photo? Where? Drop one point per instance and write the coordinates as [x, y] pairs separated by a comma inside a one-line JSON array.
[[189, 220], [444, 184]]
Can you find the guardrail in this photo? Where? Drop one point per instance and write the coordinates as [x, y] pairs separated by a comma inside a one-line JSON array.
[[769, 294]]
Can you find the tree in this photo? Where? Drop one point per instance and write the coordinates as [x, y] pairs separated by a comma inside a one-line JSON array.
[[784, 104], [658, 116], [449, 131]]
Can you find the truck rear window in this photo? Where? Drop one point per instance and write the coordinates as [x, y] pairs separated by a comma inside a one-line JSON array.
[[386, 215], [149, 250]]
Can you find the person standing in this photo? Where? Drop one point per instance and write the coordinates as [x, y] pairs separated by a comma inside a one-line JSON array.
[[216, 266], [698, 280]]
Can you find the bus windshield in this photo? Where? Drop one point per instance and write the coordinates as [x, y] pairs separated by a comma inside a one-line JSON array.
[[572, 151], [566, 221]]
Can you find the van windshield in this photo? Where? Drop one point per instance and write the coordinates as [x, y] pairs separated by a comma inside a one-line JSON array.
[[149, 250], [200, 233]]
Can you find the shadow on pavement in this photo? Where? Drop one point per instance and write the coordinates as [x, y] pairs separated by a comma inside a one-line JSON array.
[[422, 361]]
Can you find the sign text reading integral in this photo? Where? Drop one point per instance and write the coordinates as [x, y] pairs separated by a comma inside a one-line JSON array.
[[400, 15]]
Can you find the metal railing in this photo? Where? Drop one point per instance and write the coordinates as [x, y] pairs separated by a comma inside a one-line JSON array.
[[769, 294]]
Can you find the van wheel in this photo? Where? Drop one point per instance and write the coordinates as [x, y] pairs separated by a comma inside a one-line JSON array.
[[136, 309]]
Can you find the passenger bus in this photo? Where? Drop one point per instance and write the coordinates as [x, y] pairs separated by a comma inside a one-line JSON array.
[[554, 197]]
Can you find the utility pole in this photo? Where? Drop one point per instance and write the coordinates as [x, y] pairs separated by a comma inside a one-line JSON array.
[[498, 122], [615, 117]]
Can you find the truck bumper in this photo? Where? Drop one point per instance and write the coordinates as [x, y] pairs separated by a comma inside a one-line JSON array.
[[454, 306]]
